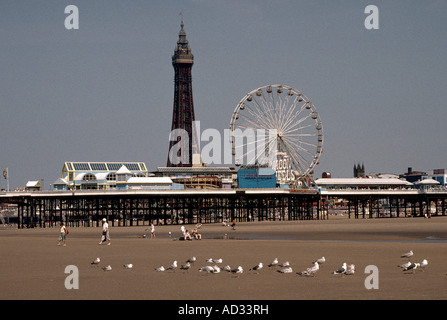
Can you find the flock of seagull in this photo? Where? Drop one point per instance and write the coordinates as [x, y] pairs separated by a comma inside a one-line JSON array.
[[285, 267], [412, 266], [108, 267]]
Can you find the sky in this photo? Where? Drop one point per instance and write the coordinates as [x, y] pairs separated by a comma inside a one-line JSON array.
[[104, 92]]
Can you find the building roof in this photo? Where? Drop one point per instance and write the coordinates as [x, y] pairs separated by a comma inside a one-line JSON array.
[[70, 166], [149, 180], [195, 170], [428, 182], [33, 184], [362, 182], [123, 170], [60, 181]]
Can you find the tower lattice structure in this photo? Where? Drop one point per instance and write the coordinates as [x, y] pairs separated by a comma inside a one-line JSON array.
[[182, 144]]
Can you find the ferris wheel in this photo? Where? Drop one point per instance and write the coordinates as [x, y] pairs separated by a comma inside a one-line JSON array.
[[279, 121]]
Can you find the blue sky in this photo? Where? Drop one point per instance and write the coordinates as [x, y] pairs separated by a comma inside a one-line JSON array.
[[105, 92]]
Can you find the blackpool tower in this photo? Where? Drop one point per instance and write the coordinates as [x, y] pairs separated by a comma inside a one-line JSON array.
[[182, 138]]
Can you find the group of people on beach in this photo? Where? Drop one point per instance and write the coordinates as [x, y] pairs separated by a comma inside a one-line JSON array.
[[105, 236], [189, 236]]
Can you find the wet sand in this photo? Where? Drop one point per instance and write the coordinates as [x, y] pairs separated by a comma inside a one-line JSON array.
[[33, 266]]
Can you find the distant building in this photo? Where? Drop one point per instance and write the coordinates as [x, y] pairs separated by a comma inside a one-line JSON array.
[[427, 183], [439, 175], [33, 186], [200, 177], [125, 180], [413, 176], [326, 175], [61, 184], [95, 175], [362, 183], [110, 176], [359, 171], [256, 178]]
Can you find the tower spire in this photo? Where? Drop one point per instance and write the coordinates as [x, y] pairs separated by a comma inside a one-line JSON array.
[[182, 52]]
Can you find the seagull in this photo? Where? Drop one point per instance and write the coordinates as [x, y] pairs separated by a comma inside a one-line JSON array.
[[227, 268], [108, 268], [191, 260], [405, 265], [342, 269], [274, 263], [210, 260], [207, 269], [128, 265], [160, 269], [237, 270], [217, 260], [96, 261], [320, 260], [286, 270], [185, 266], [216, 269], [285, 264], [172, 266], [350, 269], [423, 264], [412, 267], [407, 255], [311, 270], [257, 267]]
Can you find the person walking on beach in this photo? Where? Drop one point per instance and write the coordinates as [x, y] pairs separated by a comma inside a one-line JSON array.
[[233, 224], [62, 234], [105, 232], [182, 229], [152, 231]]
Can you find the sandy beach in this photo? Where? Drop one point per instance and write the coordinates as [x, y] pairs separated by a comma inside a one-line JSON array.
[[33, 266]]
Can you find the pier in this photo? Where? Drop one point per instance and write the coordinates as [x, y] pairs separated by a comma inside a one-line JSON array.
[[139, 207], [190, 206], [379, 203]]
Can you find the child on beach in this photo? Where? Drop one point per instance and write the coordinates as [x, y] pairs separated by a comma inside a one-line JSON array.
[[62, 234]]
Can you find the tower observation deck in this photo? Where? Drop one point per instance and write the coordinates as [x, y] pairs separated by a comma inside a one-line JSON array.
[[181, 144]]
